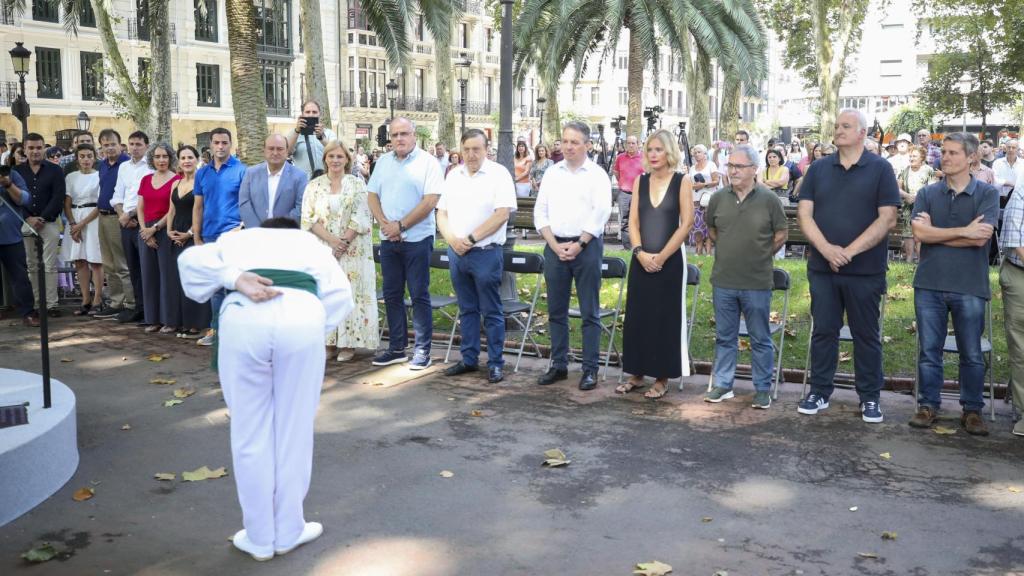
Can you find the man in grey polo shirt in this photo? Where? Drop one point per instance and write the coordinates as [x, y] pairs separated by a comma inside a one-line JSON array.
[[953, 220], [748, 225]]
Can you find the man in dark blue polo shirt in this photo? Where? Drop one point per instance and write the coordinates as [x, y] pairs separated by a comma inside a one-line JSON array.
[[45, 183], [953, 220], [848, 204], [115, 267]]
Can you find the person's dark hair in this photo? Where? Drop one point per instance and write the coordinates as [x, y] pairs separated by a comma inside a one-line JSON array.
[[967, 140], [11, 161], [319, 108], [743, 132], [777, 154], [536, 151], [525, 150], [578, 126], [187, 147], [280, 222], [989, 142], [83, 133], [81, 147], [139, 135], [475, 133], [108, 133], [34, 137], [220, 130]]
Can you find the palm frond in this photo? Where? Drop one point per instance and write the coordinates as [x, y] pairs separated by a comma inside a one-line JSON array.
[[388, 19]]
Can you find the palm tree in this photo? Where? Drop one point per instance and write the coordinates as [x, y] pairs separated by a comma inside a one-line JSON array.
[[439, 16], [313, 46], [728, 31], [247, 93]]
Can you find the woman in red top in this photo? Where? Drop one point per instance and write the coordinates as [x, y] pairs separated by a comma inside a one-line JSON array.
[[155, 249]]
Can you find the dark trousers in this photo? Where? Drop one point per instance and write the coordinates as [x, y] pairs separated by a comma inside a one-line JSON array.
[[154, 263], [859, 297], [405, 264], [585, 269], [12, 258], [933, 309], [130, 242], [476, 277], [185, 313]]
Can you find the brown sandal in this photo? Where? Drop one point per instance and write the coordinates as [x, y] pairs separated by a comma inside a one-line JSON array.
[[654, 393], [629, 385]]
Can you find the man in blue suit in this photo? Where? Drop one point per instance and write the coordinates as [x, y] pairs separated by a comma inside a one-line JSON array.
[[272, 188]]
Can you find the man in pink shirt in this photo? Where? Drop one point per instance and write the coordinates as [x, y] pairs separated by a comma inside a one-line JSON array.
[[628, 166]]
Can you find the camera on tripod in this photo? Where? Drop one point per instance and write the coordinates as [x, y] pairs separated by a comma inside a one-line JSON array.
[[617, 123], [653, 114]]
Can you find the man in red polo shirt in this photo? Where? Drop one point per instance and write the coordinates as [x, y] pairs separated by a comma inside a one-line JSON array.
[[627, 167]]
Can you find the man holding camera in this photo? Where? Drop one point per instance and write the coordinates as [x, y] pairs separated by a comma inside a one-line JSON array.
[[306, 142], [12, 247]]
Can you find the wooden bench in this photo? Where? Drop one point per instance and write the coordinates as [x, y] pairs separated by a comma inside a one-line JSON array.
[[797, 238], [522, 218]]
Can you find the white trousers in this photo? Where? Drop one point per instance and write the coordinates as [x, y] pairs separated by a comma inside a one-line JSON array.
[[271, 361]]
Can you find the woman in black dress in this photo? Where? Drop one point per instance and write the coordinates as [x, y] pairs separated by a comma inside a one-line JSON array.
[[190, 316], [660, 217]]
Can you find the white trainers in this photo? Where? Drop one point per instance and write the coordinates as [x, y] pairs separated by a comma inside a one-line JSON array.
[[242, 542], [310, 532]]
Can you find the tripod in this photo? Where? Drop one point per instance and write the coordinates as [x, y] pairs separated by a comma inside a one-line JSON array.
[[684, 144]]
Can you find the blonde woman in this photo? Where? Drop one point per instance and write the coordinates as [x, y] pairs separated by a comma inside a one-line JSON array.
[[335, 210], [661, 213]]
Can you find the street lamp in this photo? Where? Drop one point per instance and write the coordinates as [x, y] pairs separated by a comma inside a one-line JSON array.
[[462, 68], [83, 121], [391, 87], [541, 101], [965, 89], [21, 56]]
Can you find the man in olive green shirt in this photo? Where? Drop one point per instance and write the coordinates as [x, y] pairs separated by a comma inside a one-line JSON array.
[[747, 224]]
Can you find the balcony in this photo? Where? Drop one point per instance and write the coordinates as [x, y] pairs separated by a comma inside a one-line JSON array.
[[473, 6], [492, 59], [174, 102], [423, 48], [476, 107]]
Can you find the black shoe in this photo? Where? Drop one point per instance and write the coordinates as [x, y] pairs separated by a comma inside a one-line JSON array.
[[105, 312], [495, 375], [129, 316], [553, 375], [589, 380], [53, 312], [459, 369]]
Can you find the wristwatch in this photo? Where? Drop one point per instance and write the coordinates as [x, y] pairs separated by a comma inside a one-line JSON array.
[[582, 243], [401, 227], [636, 250], [471, 239]]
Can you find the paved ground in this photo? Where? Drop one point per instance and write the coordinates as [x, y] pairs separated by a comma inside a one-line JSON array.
[[703, 488]]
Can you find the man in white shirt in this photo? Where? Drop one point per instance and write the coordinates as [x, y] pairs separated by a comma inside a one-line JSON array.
[[271, 188], [287, 292], [441, 153], [1008, 169], [124, 201], [572, 207], [476, 201]]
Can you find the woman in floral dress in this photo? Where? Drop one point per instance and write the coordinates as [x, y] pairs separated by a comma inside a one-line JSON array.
[[334, 209]]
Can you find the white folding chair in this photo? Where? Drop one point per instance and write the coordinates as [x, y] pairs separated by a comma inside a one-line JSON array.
[[614, 269]]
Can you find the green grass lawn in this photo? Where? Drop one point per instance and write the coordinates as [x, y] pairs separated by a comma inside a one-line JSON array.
[[900, 359]]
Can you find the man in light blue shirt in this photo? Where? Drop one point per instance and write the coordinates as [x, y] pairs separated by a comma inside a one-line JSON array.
[[403, 192]]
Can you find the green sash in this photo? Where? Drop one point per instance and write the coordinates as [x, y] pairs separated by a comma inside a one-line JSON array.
[[281, 279]]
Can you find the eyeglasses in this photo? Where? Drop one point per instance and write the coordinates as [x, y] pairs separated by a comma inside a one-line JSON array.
[[732, 166], [400, 134]]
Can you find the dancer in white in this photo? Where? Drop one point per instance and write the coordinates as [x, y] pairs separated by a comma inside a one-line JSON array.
[[288, 291]]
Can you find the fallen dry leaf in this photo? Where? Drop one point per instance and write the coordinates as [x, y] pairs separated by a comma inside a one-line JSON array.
[[744, 345], [446, 474], [377, 384], [790, 332], [203, 473], [638, 412], [41, 553], [888, 535], [912, 329], [845, 356], [165, 476], [774, 317], [654, 568], [155, 358], [162, 381], [83, 494], [171, 402], [706, 519], [871, 555], [943, 430], [67, 359], [886, 339], [1013, 489], [886, 456], [853, 508], [555, 457], [124, 358], [184, 392], [126, 427], [476, 413]]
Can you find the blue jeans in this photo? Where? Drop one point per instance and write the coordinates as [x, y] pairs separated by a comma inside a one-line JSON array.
[[586, 270], [215, 303], [476, 277], [755, 305], [932, 309], [402, 264]]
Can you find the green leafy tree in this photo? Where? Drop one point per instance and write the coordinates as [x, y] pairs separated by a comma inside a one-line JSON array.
[[819, 36], [908, 120]]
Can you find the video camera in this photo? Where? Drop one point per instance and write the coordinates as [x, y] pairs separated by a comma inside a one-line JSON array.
[[652, 115], [617, 124]]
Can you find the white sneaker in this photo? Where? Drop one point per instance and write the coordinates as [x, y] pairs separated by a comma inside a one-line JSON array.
[[242, 542], [310, 532], [1018, 428]]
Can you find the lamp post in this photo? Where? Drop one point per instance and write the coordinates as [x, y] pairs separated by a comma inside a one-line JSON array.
[[965, 89], [541, 101], [392, 88], [462, 67], [505, 143], [83, 121], [21, 56]]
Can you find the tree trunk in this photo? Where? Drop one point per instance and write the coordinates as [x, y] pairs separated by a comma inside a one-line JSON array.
[[247, 96], [136, 105], [552, 122], [313, 46], [831, 54], [160, 76], [699, 82], [445, 101], [730, 113], [635, 87]]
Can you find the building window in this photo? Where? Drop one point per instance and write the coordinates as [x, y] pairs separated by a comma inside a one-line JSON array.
[[206, 20], [92, 76], [890, 68], [623, 61], [277, 86], [273, 27], [45, 10], [490, 40], [464, 35], [141, 20], [595, 96], [208, 85], [86, 17], [418, 86], [48, 73], [490, 92], [623, 96], [679, 101], [419, 27]]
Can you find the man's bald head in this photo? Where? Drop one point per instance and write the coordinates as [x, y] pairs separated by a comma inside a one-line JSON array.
[[403, 136], [275, 151]]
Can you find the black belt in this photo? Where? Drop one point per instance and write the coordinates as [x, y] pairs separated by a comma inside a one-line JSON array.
[[567, 238], [89, 205], [108, 212], [490, 246]]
